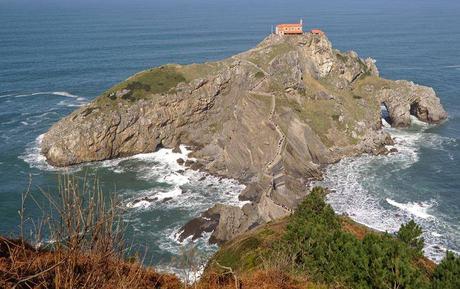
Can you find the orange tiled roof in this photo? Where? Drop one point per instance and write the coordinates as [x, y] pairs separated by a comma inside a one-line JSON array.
[[317, 31]]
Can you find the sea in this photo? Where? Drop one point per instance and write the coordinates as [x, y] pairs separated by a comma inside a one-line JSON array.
[[56, 56]]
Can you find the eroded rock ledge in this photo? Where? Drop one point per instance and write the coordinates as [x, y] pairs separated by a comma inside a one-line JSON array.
[[270, 117]]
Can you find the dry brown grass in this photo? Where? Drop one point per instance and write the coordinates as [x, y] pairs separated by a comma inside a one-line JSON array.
[[260, 279], [23, 266], [354, 228], [85, 247]]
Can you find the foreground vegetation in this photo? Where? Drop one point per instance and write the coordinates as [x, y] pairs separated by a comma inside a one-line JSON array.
[[313, 248], [84, 247], [315, 244]]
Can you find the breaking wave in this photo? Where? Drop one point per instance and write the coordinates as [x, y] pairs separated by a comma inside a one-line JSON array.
[[7, 95], [176, 195], [172, 195], [417, 209], [361, 189], [35, 158], [177, 185], [65, 93], [58, 93], [72, 101]]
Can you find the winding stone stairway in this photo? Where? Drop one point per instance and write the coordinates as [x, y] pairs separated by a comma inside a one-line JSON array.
[[267, 171]]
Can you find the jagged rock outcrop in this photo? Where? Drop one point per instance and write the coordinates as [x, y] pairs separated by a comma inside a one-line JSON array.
[[270, 117]]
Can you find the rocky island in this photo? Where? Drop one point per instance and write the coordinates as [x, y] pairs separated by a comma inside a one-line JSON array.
[[271, 117]]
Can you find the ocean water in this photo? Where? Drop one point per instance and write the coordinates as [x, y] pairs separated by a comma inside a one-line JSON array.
[[58, 55]]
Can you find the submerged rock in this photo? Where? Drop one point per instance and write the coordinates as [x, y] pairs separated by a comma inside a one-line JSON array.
[[270, 117]]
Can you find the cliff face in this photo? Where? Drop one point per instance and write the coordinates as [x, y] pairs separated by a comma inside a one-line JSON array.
[[269, 117]]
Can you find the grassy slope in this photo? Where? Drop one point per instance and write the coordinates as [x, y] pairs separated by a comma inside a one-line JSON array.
[[257, 251], [246, 252], [249, 256], [156, 81]]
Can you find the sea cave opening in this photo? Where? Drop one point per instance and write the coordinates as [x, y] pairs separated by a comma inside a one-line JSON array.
[[385, 114], [414, 109]]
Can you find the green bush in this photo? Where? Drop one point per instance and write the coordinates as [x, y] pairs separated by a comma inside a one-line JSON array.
[[390, 263], [259, 74], [319, 247], [447, 273], [410, 234]]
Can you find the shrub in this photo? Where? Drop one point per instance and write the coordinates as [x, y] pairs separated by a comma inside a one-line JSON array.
[[410, 234], [390, 263], [320, 248], [259, 74], [447, 273]]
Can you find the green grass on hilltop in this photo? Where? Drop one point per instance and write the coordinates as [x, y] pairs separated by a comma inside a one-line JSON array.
[[147, 83], [156, 81]]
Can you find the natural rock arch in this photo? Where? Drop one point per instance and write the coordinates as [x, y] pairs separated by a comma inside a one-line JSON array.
[[406, 99]]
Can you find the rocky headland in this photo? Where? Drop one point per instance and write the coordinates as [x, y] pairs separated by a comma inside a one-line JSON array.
[[271, 117]]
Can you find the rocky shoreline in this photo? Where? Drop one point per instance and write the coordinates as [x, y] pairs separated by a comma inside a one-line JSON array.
[[271, 117]]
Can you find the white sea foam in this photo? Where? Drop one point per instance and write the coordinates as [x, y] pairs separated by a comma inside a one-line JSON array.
[[73, 103], [169, 194], [417, 209], [65, 93], [76, 101], [162, 166], [415, 121], [33, 94], [385, 123], [197, 190], [58, 93], [172, 245], [358, 192], [34, 157], [7, 95], [174, 187], [153, 196], [140, 204], [34, 119]]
